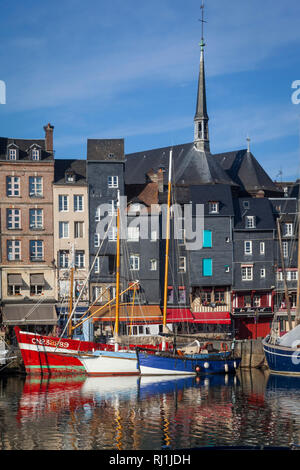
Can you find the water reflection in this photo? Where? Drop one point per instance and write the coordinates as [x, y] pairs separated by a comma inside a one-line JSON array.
[[130, 413]]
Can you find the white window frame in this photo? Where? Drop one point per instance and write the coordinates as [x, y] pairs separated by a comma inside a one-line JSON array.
[[78, 229], [213, 207], [262, 273], [285, 249], [79, 259], [97, 214], [97, 240], [134, 262], [182, 264], [153, 264], [36, 250], [35, 186], [35, 154], [12, 154], [13, 249], [288, 229], [133, 234], [262, 248], [250, 221], [249, 250], [36, 219], [13, 186], [63, 203], [97, 265], [247, 273], [13, 221], [112, 234], [63, 229], [78, 203], [64, 258], [113, 181], [154, 235], [113, 207]]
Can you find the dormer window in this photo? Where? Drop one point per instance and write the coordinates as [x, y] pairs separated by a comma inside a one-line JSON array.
[[213, 207], [70, 177], [250, 221], [35, 154], [12, 154], [246, 204]]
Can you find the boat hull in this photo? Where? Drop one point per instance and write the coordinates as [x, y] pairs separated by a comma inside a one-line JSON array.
[[45, 355], [111, 363], [163, 364], [282, 360]]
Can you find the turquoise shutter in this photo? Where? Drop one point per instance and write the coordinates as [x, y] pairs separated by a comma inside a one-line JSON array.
[[207, 239], [207, 267]]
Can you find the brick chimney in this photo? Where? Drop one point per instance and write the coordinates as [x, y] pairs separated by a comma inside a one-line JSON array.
[[49, 137]]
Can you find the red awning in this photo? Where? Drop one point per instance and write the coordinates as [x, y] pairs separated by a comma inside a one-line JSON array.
[[223, 318], [179, 315]]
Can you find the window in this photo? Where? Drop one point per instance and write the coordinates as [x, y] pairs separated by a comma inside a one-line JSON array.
[[219, 296], [285, 249], [182, 264], [250, 221], [63, 203], [78, 203], [153, 235], [112, 234], [13, 250], [247, 273], [63, 229], [12, 289], [35, 186], [35, 219], [133, 234], [97, 214], [213, 207], [36, 289], [207, 239], [63, 259], [293, 275], [207, 267], [246, 204], [13, 218], [35, 154], [36, 250], [13, 186], [288, 230], [153, 264], [113, 207], [262, 272], [97, 294], [113, 181], [181, 295], [256, 300], [170, 296], [248, 247], [134, 262], [97, 265], [79, 259], [12, 154], [78, 229], [262, 248], [97, 240]]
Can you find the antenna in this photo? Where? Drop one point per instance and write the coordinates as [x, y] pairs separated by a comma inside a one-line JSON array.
[[202, 44]]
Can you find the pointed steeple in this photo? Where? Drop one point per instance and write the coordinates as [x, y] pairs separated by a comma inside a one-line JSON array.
[[201, 136]]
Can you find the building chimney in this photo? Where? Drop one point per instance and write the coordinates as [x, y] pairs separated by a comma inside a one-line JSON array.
[[49, 137]]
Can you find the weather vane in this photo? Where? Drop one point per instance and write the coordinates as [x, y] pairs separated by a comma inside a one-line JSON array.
[[202, 44]]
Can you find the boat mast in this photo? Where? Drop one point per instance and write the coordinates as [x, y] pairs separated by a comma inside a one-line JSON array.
[[71, 295], [287, 300], [297, 316], [167, 247], [117, 276]]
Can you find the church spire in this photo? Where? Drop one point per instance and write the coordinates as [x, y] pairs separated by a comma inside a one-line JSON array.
[[201, 137]]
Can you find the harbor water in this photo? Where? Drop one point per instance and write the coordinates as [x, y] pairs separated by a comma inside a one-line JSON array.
[[252, 408]]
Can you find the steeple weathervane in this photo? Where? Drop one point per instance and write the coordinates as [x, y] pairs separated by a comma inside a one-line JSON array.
[[201, 138]]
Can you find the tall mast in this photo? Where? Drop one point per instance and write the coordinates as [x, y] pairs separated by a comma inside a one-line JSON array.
[[167, 244], [297, 316], [117, 276], [286, 291], [71, 294]]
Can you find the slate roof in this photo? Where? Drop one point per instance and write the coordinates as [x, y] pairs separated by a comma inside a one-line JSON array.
[[243, 168], [23, 146], [190, 166], [77, 166], [261, 208], [205, 193]]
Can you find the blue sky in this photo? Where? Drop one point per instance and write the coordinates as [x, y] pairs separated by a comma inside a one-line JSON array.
[[98, 69]]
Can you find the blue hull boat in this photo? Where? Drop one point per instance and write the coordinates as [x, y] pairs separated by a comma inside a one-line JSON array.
[[164, 363], [281, 359]]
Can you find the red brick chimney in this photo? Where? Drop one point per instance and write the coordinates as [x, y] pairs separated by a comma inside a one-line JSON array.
[[49, 137]]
